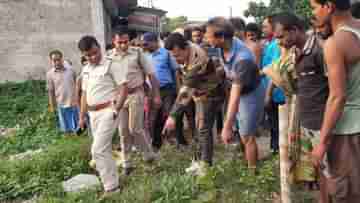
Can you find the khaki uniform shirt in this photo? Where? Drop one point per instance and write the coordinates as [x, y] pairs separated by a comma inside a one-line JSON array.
[[63, 83], [137, 64], [100, 82]]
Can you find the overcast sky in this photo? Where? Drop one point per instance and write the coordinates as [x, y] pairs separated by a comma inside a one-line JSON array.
[[203, 9]]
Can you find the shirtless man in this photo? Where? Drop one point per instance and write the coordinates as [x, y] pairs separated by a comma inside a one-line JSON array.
[[340, 131]]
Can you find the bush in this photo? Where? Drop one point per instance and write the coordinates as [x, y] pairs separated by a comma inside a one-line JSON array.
[[43, 172], [19, 101]]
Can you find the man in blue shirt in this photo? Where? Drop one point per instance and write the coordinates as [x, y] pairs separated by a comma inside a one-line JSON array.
[[246, 103], [165, 70], [274, 96]]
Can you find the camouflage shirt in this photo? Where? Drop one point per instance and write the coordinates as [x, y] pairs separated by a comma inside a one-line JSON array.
[[200, 80]]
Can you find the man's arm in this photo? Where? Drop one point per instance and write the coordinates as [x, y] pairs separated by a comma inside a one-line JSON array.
[[121, 96], [51, 93], [52, 100], [233, 105], [232, 109], [83, 109], [335, 59], [147, 66], [183, 99]]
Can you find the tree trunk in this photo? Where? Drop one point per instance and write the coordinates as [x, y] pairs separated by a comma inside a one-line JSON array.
[[284, 116]]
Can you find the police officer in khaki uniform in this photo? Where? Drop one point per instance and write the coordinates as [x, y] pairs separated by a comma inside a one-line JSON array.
[[104, 88], [139, 68]]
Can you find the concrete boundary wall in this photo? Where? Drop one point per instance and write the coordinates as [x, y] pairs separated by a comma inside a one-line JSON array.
[[29, 29]]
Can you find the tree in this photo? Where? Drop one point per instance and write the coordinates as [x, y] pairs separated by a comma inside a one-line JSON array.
[[259, 10], [173, 23]]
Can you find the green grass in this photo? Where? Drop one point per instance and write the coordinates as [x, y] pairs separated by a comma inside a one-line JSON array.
[[25, 104], [166, 182], [20, 101]]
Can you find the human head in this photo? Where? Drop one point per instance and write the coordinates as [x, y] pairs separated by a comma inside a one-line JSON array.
[[121, 39], [325, 10], [239, 27], [288, 29], [218, 31], [150, 42], [90, 49], [56, 59], [164, 35], [178, 47], [187, 33], [197, 34], [355, 10], [252, 32], [268, 26]]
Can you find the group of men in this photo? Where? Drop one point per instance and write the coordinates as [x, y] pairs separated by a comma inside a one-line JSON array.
[[215, 74]]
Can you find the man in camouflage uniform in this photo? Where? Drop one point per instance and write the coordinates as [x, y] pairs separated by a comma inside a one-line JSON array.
[[203, 83]]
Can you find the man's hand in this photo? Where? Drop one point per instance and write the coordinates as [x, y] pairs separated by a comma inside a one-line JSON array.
[[157, 102], [318, 154], [227, 134], [170, 125], [82, 122]]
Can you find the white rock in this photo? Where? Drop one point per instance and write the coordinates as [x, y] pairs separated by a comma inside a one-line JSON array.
[[25, 155], [81, 182]]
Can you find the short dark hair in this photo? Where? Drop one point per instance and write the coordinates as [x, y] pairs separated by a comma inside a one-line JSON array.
[[289, 21], [224, 27], [188, 33], [164, 35], [198, 29], [87, 42], [355, 9], [121, 31], [238, 23], [55, 52], [341, 5], [253, 27], [176, 40]]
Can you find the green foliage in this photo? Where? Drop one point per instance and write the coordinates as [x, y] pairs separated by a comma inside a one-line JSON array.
[[19, 101], [35, 132], [164, 182], [259, 10], [43, 172], [172, 23], [228, 181]]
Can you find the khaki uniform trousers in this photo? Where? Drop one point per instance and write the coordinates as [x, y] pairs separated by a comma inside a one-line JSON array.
[[103, 127], [131, 127]]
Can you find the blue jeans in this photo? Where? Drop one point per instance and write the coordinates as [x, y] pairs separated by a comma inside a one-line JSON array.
[[68, 119]]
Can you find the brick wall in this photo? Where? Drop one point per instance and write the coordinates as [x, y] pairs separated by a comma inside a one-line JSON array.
[[29, 29]]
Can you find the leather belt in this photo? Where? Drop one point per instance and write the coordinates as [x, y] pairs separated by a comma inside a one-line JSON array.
[[99, 107]]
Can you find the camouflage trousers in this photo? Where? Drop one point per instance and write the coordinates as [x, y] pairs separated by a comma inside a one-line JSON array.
[[205, 114]]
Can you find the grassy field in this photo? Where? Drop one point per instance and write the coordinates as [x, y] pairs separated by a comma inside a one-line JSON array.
[[25, 105]]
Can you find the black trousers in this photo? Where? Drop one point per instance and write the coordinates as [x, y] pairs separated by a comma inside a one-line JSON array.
[[273, 118], [168, 97]]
